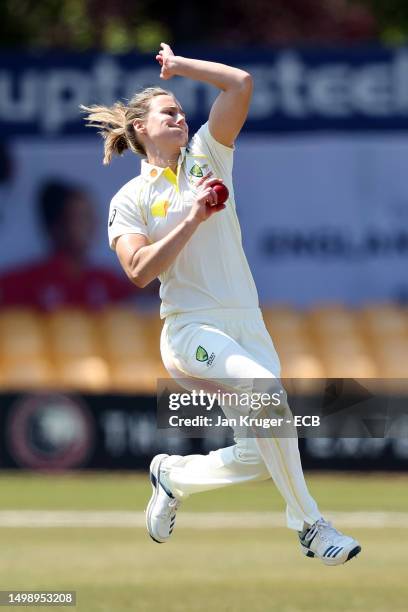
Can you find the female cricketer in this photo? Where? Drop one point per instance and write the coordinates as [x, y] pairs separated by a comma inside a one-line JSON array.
[[167, 223]]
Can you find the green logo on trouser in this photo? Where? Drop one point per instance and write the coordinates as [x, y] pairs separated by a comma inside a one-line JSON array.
[[201, 354]]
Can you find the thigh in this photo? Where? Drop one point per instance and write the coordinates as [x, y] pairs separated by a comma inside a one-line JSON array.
[[207, 352], [204, 358], [255, 339]]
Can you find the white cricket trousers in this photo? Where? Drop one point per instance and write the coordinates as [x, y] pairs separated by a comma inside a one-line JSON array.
[[238, 346]]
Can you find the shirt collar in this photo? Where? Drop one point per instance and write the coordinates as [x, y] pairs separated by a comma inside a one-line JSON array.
[[151, 172]]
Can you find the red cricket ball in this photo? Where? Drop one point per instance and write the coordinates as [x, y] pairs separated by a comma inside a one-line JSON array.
[[221, 191]]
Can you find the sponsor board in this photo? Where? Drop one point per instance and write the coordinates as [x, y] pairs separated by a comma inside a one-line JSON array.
[[294, 89], [55, 432]]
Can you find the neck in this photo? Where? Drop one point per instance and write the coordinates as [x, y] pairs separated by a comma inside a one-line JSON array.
[[163, 159]]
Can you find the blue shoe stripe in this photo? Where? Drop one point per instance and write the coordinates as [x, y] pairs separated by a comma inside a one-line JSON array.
[[155, 481], [302, 538], [169, 493], [327, 551], [336, 551]]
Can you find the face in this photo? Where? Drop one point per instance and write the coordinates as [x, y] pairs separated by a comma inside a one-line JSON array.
[[75, 230], [165, 126]]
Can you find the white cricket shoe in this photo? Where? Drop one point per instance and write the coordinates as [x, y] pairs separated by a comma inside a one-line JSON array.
[[332, 547], [162, 507]]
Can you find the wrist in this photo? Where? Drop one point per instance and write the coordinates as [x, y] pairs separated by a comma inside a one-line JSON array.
[[192, 222], [177, 64]]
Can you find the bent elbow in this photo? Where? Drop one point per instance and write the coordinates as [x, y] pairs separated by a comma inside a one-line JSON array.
[[247, 82], [139, 281], [134, 272]]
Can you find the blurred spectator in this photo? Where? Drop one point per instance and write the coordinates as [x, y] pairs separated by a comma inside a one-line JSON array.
[[66, 277], [6, 177]]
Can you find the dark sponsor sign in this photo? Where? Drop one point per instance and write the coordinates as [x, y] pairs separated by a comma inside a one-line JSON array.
[[120, 432], [295, 90]]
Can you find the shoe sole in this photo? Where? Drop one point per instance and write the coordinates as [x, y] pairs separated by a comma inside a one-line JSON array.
[[154, 473], [353, 553]]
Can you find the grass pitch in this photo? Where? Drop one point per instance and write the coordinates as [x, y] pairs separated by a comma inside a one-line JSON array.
[[262, 570]]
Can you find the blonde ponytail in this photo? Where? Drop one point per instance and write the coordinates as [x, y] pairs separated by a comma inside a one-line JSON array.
[[115, 123]]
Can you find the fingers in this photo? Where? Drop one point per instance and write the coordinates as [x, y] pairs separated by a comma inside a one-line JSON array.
[[212, 181], [208, 179], [204, 192], [161, 60], [203, 179], [165, 50], [165, 47], [206, 188], [209, 197], [162, 57], [206, 201]]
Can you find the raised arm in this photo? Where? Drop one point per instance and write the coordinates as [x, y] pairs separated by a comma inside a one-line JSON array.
[[230, 109]]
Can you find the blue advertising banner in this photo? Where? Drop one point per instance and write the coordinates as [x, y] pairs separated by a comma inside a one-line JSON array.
[[295, 90]]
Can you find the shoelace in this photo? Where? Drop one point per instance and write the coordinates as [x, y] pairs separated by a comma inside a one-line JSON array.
[[171, 508], [321, 526]]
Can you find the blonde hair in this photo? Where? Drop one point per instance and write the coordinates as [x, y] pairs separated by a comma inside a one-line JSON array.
[[115, 123]]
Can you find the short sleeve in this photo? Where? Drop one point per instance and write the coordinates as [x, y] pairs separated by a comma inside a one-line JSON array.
[[125, 216], [221, 156]]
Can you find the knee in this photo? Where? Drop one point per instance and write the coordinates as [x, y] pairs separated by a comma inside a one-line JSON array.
[[246, 451], [274, 400]]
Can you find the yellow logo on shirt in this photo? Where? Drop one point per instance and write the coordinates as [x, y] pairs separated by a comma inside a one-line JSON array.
[[160, 208]]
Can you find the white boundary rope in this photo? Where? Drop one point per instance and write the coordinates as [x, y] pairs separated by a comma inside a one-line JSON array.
[[191, 520]]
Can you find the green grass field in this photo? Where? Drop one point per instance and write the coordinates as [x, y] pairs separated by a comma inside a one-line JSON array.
[[121, 569]]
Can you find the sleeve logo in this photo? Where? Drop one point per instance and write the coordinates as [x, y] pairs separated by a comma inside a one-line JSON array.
[[112, 217]]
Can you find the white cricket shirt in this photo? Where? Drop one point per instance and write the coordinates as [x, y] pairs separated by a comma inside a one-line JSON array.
[[211, 271]]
